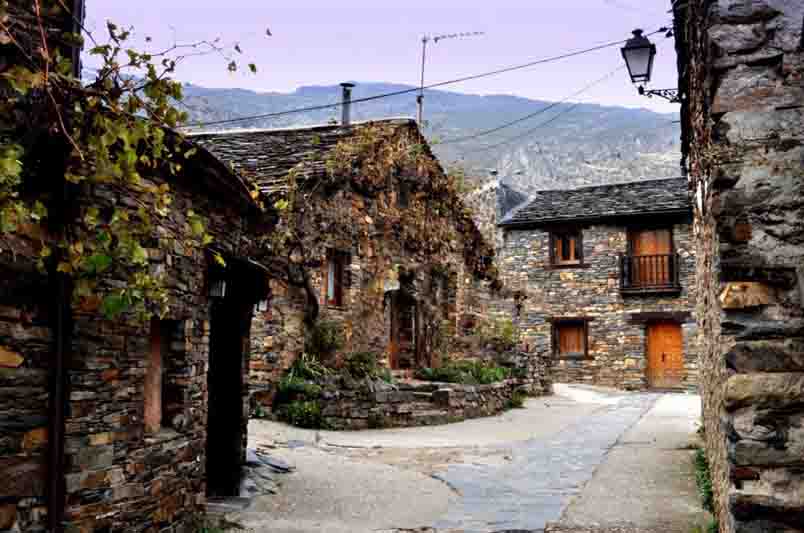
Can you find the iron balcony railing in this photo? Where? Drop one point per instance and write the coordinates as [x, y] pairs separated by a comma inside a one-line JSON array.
[[649, 273]]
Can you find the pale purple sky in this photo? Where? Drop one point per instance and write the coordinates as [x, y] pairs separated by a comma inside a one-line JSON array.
[[317, 42]]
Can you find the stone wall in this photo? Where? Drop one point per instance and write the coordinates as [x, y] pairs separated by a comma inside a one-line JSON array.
[[118, 476], [381, 264], [414, 404], [616, 327], [377, 404], [742, 66], [25, 346]]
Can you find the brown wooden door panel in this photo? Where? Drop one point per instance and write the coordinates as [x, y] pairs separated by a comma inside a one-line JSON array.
[[665, 347], [651, 250]]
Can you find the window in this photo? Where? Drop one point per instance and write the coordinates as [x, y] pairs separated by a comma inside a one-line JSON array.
[[570, 338], [153, 394], [566, 248], [336, 275], [403, 200], [651, 257], [442, 293]]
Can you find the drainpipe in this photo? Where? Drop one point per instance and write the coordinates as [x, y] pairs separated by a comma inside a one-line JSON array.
[[346, 106]]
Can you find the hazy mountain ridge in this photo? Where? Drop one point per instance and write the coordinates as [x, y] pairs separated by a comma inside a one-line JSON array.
[[590, 144]]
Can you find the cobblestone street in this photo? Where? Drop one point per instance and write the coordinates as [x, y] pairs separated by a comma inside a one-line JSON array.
[[584, 458]]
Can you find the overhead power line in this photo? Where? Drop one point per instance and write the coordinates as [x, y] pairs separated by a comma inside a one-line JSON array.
[[550, 121], [535, 113], [416, 89]]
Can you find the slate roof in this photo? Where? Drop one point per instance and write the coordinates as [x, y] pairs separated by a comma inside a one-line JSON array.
[[637, 198], [265, 156]]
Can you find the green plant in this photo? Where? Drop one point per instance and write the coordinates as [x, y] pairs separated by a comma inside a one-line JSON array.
[[362, 365], [386, 375], [324, 338], [114, 130], [259, 411], [465, 372], [501, 334], [517, 400], [292, 387], [703, 479], [303, 414], [712, 526], [308, 367]]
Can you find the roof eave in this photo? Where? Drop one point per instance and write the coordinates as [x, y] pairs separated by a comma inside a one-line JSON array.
[[528, 224]]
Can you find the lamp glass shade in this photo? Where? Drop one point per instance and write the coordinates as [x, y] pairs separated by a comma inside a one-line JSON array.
[[638, 53]]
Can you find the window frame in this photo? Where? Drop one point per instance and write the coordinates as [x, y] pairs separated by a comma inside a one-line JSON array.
[[557, 323], [561, 233], [336, 265]]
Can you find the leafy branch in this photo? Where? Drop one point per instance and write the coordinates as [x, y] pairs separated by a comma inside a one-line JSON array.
[[117, 133]]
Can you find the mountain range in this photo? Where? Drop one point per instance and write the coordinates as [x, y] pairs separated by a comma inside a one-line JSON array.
[[566, 145]]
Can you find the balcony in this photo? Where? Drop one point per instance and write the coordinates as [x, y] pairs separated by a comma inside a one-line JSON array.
[[649, 274]]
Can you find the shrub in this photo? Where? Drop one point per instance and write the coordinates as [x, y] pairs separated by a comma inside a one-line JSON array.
[[362, 365], [501, 334], [703, 479], [292, 388], [308, 367], [324, 338], [465, 372], [259, 411], [302, 413]]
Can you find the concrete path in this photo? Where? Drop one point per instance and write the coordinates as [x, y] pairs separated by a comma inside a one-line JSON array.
[[584, 457]]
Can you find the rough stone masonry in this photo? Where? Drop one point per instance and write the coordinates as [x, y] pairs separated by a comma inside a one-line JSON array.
[[741, 66]]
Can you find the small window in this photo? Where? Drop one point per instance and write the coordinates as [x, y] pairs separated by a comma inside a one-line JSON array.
[[570, 338], [336, 273], [403, 199], [154, 379], [566, 248]]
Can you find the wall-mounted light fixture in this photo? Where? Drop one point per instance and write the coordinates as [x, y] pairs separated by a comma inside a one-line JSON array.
[[639, 54]]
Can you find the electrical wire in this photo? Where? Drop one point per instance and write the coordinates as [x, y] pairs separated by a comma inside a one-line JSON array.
[[535, 113], [417, 89]]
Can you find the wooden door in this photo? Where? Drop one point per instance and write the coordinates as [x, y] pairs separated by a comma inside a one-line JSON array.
[[402, 346], [665, 355], [651, 250]]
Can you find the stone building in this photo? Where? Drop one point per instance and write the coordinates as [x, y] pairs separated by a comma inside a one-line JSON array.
[[130, 409], [393, 256], [110, 424], [741, 68], [607, 274], [145, 404]]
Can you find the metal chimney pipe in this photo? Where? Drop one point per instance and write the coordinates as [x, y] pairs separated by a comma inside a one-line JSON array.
[[346, 106]]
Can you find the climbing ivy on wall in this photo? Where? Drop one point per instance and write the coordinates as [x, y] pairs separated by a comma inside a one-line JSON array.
[[60, 136]]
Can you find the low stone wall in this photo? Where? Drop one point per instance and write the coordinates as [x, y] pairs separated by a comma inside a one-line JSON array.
[[414, 404]]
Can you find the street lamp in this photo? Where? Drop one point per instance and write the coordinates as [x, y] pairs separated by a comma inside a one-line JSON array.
[[639, 53]]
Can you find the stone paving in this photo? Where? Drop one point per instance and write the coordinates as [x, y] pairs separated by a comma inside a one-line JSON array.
[[531, 490], [585, 460]]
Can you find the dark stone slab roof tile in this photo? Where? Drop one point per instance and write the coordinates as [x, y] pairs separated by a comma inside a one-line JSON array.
[[603, 201], [264, 157]]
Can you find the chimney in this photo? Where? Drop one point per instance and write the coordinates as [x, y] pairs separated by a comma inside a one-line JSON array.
[[346, 107]]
